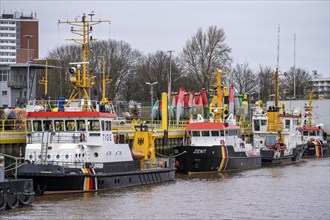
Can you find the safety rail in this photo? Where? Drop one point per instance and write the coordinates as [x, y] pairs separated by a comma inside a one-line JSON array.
[[14, 166], [66, 105], [12, 125], [58, 137]]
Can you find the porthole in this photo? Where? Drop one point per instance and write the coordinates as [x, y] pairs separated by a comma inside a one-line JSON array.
[[31, 157], [96, 154], [83, 155], [39, 156], [130, 179], [57, 156], [48, 156], [66, 156], [76, 155]]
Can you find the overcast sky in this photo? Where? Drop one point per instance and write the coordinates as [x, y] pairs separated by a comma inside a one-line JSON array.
[[251, 27]]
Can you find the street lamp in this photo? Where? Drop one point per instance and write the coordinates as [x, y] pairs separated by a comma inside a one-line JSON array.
[[151, 94], [28, 68]]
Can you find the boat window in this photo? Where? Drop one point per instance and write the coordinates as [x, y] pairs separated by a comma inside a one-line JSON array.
[[312, 133], [287, 123], [69, 125], [215, 133], [28, 125], [256, 125], [205, 133], [81, 126], [102, 125], [93, 125], [59, 125], [108, 125], [37, 125], [48, 125], [295, 122], [195, 133], [270, 140], [222, 133], [263, 122], [305, 133], [226, 132]]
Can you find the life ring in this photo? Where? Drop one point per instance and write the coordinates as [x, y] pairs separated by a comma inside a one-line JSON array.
[[222, 142], [82, 137]]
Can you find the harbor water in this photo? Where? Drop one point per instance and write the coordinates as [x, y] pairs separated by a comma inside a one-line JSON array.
[[297, 191]]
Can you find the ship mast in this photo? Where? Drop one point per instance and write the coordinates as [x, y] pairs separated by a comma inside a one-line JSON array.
[[79, 78], [309, 122], [218, 109]]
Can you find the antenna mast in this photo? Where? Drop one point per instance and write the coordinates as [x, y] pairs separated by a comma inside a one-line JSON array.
[[80, 79]]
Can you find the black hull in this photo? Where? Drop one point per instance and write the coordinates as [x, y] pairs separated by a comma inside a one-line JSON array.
[[56, 179], [15, 192], [199, 159], [317, 149], [274, 157]]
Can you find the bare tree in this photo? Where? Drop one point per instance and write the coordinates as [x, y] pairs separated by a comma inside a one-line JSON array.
[[266, 82], [302, 78], [203, 54], [244, 79]]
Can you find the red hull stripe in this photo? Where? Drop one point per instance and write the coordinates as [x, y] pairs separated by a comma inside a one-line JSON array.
[[69, 114]]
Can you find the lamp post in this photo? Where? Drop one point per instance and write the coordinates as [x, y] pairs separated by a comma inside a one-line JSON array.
[[151, 94], [28, 68]]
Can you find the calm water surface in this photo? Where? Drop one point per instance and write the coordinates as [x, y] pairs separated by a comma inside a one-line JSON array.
[[298, 191]]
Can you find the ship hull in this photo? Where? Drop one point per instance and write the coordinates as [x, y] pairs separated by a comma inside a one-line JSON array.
[[201, 159], [279, 157], [317, 149], [50, 179]]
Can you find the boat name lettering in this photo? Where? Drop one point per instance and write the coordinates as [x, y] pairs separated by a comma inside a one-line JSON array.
[[199, 151]]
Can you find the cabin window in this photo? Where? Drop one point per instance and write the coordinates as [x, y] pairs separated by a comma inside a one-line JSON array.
[[59, 125], [48, 125], [215, 133], [270, 140], [256, 125], [312, 133], [102, 125], [108, 125], [195, 133], [287, 124], [205, 133], [81, 125], [295, 122], [28, 126], [69, 125], [37, 125], [226, 132], [222, 133], [93, 125], [305, 133], [263, 122]]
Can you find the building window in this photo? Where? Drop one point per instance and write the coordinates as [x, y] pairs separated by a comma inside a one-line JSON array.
[[4, 93]]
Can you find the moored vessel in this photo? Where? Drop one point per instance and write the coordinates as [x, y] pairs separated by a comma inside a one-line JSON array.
[[71, 146], [313, 135], [214, 145], [277, 144]]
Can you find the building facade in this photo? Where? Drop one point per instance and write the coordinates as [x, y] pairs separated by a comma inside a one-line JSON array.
[[19, 44], [320, 85]]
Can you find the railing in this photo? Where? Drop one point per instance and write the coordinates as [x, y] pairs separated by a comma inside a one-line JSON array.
[[15, 165], [12, 125], [58, 137]]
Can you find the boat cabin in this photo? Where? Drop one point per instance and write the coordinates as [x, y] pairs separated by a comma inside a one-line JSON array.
[[209, 134]]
